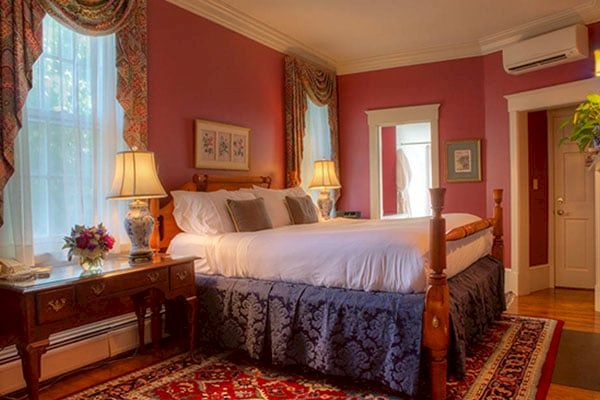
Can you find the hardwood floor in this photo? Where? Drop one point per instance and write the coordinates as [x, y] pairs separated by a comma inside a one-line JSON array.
[[575, 307]]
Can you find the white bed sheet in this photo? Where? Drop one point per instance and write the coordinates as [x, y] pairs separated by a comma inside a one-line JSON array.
[[371, 255]]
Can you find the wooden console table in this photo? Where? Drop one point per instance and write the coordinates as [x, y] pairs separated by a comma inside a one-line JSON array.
[[67, 299]]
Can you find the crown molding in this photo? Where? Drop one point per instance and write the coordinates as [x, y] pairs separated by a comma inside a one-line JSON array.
[[585, 13], [231, 18], [405, 58], [246, 25]]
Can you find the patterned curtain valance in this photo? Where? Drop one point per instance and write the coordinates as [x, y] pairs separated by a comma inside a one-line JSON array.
[[91, 17], [301, 79], [21, 45]]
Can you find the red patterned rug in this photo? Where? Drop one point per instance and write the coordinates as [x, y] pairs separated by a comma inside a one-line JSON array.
[[514, 361]]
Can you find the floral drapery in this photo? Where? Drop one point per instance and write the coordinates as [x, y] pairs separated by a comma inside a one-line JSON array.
[[21, 45], [301, 79]]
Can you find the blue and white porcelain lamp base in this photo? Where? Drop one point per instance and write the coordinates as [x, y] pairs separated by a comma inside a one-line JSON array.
[[325, 204], [139, 225]]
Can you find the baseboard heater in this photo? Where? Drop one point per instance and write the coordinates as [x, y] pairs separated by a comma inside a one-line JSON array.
[[97, 341]]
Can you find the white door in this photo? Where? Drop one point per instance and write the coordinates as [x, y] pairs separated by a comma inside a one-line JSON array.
[[573, 209]]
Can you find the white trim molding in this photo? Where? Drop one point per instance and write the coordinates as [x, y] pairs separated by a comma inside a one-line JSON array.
[[392, 117], [410, 57], [222, 13], [519, 105], [236, 20], [585, 13]]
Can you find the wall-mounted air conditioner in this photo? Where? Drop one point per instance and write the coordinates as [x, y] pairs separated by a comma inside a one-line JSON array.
[[554, 48]]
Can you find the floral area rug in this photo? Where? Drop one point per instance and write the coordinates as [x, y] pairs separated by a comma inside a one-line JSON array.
[[514, 361]]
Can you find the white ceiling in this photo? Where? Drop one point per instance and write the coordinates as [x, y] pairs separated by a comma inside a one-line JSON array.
[[355, 35]]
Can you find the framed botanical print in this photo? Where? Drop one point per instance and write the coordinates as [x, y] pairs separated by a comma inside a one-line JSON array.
[[221, 146], [463, 161]]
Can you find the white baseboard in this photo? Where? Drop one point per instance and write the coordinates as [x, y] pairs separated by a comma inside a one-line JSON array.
[[539, 277], [510, 281], [74, 349]]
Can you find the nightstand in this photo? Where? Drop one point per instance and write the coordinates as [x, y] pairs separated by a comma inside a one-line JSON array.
[[68, 299], [349, 214]]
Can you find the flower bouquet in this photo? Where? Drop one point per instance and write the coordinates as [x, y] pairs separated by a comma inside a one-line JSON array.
[[90, 244]]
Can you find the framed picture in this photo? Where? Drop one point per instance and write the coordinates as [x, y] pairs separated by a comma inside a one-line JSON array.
[[221, 146], [463, 161]]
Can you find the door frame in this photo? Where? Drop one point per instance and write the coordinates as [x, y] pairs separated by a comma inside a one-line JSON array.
[[377, 119], [519, 105]]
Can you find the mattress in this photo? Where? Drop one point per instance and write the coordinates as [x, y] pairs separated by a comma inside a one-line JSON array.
[[370, 255]]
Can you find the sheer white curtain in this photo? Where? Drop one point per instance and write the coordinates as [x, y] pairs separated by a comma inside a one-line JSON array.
[[66, 148], [317, 143]]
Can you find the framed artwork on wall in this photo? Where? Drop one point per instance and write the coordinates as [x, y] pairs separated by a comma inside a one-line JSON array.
[[463, 161], [221, 146]]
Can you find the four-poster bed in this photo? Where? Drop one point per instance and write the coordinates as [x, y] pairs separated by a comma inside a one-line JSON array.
[[436, 320]]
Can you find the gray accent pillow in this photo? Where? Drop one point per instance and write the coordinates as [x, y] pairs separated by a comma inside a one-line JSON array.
[[302, 210], [249, 215]]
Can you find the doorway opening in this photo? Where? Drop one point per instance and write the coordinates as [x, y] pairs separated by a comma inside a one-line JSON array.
[[403, 160], [406, 170], [561, 205]]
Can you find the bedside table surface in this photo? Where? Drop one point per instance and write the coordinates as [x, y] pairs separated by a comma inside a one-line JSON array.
[[74, 274]]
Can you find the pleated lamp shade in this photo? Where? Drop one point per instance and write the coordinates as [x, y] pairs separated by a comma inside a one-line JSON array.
[[324, 176], [136, 177]]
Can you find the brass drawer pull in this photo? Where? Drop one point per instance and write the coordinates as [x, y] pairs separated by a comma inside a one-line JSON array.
[[182, 275], [57, 304], [98, 288], [153, 277]]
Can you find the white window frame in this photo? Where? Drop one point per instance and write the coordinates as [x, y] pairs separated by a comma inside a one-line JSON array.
[[377, 119]]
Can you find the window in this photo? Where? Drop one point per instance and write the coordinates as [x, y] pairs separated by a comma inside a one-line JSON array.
[[316, 143], [67, 145]]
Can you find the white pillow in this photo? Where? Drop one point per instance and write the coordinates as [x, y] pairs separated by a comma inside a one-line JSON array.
[[205, 212], [275, 203]]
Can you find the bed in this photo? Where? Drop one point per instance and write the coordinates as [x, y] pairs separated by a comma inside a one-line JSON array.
[[264, 301]]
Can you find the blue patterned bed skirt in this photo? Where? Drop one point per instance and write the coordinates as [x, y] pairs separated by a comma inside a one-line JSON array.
[[374, 336]]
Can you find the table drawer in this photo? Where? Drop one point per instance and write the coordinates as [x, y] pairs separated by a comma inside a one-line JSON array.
[[182, 275], [154, 277], [93, 291], [55, 305]]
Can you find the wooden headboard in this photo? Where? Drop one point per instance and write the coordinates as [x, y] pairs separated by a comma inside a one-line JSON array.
[[166, 228]]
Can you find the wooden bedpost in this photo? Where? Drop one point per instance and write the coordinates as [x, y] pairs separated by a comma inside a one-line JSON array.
[[498, 246], [436, 315]]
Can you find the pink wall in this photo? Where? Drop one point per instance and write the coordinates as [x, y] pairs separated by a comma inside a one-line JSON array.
[[471, 92], [456, 85], [537, 126], [198, 69], [497, 84], [388, 170]]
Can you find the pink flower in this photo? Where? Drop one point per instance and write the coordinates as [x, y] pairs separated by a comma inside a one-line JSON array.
[[82, 242], [109, 242]]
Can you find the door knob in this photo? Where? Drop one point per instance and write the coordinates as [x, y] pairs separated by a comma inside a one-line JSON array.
[[560, 212], [560, 201]]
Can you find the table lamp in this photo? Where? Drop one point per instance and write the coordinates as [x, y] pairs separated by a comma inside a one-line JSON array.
[[136, 179], [324, 178]]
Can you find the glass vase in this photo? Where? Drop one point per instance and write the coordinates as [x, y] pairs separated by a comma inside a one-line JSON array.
[[91, 266]]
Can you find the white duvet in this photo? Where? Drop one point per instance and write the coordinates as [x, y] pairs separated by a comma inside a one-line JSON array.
[[372, 255]]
